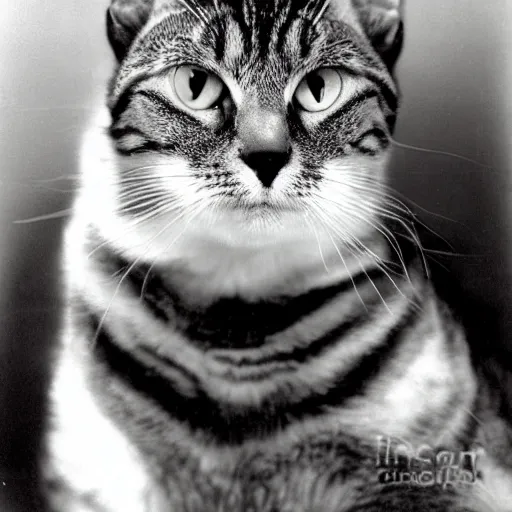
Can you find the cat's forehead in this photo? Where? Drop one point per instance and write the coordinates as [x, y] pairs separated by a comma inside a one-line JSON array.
[[252, 27], [259, 9], [258, 43]]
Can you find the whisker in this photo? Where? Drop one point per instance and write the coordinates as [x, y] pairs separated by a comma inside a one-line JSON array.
[[163, 209], [383, 268], [318, 242], [441, 153], [58, 178], [149, 167], [48, 108], [373, 284], [147, 176], [47, 216], [148, 207], [405, 208], [196, 13], [138, 194], [384, 231], [362, 249], [110, 241], [377, 259], [145, 167], [156, 211], [36, 186], [130, 268], [194, 214], [58, 190], [391, 200], [388, 214], [114, 295], [321, 218]]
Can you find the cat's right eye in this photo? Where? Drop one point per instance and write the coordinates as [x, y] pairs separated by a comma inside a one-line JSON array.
[[197, 88]]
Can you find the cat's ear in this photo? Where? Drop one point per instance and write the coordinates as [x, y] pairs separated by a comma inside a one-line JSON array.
[[383, 23], [124, 20]]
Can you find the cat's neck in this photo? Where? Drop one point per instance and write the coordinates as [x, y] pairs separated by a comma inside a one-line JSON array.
[[204, 272], [271, 272]]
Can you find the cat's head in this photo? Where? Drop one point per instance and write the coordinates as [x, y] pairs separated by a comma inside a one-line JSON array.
[[251, 123]]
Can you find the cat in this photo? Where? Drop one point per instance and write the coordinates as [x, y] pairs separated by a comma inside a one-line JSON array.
[[243, 331]]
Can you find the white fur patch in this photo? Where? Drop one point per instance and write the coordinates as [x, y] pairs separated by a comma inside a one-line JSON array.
[[89, 452]]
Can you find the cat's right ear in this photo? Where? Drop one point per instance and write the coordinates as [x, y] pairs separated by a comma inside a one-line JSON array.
[[125, 18]]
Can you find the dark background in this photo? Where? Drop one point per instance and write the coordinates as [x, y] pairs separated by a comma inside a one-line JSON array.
[[456, 79]]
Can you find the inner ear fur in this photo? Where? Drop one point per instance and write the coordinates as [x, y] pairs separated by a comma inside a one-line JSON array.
[[382, 22], [125, 18]]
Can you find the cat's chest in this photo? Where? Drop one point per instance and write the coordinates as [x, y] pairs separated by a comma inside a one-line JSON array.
[[307, 475]]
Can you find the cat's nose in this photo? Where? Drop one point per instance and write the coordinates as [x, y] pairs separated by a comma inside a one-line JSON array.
[[265, 142], [266, 164]]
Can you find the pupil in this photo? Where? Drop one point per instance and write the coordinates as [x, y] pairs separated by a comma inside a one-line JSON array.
[[316, 85], [197, 82]]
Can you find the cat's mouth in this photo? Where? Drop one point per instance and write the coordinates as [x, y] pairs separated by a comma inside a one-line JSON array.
[[264, 203], [263, 206]]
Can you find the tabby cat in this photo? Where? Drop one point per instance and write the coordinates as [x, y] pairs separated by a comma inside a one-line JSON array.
[[243, 331]]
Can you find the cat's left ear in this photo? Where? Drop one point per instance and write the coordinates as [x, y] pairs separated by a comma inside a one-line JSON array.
[[124, 20], [382, 21]]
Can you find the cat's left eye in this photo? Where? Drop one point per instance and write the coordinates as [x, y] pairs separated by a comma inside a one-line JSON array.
[[318, 90], [196, 88]]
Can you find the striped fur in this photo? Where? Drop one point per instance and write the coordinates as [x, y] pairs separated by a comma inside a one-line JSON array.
[[229, 346]]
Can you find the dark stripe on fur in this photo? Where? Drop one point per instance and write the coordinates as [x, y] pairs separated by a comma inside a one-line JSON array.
[[159, 99], [303, 354], [382, 82], [219, 38], [232, 322], [357, 100], [188, 383], [121, 105], [228, 423], [143, 147], [118, 132], [359, 378]]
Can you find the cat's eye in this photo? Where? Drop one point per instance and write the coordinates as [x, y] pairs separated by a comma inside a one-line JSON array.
[[318, 90], [197, 88]]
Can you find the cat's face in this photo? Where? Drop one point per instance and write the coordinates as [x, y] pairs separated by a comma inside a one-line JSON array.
[[249, 124]]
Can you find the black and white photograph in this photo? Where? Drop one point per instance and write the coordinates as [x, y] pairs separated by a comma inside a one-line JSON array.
[[256, 256]]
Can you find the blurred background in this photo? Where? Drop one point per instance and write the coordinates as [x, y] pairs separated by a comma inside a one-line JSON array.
[[456, 80]]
